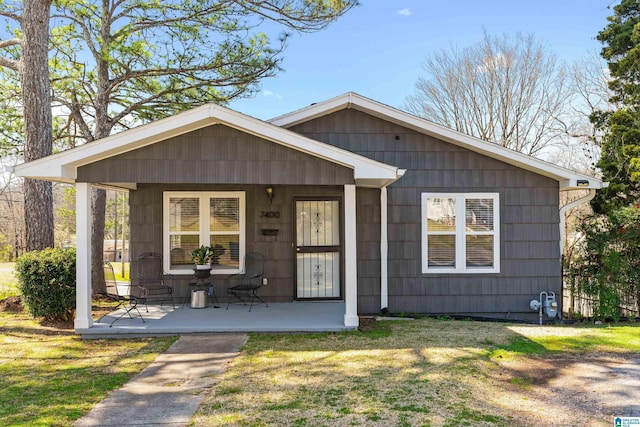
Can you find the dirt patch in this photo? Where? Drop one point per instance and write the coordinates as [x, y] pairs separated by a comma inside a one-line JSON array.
[[580, 390], [12, 304]]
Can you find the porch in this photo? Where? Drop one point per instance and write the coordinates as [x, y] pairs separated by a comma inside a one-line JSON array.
[[297, 316]]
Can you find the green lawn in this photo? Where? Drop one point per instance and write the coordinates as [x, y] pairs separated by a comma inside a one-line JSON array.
[[403, 373], [7, 280], [51, 377]]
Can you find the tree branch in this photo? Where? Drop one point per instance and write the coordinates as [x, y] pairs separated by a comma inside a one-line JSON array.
[[9, 63]]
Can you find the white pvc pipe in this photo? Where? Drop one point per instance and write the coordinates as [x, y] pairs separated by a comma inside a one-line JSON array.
[[565, 208], [384, 250]]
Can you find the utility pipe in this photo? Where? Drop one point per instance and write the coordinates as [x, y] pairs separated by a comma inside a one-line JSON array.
[[565, 208]]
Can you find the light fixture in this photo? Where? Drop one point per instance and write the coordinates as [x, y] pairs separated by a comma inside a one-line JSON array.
[[583, 183], [270, 193]]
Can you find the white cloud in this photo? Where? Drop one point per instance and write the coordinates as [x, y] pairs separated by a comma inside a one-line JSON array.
[[270, 94], [405, 12]]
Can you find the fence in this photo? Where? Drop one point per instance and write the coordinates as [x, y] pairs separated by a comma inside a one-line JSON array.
[[577, 304]]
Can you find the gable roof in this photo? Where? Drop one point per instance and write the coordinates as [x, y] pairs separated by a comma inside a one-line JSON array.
[[567, 179], [62, 167]]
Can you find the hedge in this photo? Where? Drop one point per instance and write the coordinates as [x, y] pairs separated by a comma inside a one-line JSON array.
[[47, 280]]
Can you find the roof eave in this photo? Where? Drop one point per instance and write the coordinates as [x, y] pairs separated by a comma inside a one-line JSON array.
[[566, 178]]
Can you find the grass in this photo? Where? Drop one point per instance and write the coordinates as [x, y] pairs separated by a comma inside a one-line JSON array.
[[415, 373], [8, 286], [51, 377]]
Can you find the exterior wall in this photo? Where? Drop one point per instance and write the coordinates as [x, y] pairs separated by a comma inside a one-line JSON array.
[[216, 154], [529, 213], [146, 230], [368, 250]]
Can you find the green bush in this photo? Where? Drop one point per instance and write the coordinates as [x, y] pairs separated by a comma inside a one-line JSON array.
[[47, 280], [608, 270]]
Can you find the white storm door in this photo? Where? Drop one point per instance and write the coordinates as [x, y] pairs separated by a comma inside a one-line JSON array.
[[318, 249]]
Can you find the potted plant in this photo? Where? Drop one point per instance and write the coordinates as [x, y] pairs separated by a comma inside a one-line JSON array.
[[202, 257]]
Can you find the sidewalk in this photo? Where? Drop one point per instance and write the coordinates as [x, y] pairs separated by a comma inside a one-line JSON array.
[[169, 391]]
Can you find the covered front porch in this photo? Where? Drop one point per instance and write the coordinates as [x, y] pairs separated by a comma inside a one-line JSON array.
[[297, 316], [199, 178]]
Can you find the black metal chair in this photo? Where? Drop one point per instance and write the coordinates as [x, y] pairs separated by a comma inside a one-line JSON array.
[[128, 302], [151, 279], [245, 286]]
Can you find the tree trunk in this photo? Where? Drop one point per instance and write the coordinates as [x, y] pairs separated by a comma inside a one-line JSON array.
[[36, 97]]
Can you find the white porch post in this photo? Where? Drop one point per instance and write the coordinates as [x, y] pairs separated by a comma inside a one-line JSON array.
[[384, 251], [350, 258], [83, 256]]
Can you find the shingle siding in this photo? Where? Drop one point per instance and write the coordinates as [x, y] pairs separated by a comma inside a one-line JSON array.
[[529, 218], [216, 154], [146, 230]]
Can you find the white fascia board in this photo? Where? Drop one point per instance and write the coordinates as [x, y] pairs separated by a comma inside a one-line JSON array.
[[566, 178], [63, 166], [313, 111], [363, 167]]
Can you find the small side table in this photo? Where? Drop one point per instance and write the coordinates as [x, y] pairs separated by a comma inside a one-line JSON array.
[[206, 285]]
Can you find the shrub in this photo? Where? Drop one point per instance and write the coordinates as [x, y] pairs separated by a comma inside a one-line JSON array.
[[47, 280], [608, 270]]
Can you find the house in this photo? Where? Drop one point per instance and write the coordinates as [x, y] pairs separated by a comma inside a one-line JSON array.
[[349, 199]]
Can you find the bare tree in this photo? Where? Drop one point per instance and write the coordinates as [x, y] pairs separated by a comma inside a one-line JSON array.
[[509, 90]]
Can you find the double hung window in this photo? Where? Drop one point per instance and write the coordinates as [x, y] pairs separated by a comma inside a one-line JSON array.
[[193, 219], [460, 233]]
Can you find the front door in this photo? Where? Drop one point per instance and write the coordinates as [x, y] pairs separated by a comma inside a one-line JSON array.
[[317, 249]]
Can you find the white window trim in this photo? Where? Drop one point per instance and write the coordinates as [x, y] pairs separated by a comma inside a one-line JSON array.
[[460, 234], [204, 233]]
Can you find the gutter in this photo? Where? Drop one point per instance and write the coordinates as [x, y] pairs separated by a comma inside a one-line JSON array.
[[565, 208], [384, 242]]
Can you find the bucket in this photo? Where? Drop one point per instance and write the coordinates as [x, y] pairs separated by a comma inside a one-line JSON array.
[[198, 299]]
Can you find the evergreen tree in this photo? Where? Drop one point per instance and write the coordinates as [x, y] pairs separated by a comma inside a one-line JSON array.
[[620, 161]]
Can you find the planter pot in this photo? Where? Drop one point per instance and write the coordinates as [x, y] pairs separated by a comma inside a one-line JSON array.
[[201, 274], [203, 267]]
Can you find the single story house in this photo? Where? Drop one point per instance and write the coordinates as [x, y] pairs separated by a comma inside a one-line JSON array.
[[349, 199]]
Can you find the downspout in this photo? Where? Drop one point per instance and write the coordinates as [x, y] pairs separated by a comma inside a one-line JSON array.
[[384, 250], [565, 208], [384, 242]]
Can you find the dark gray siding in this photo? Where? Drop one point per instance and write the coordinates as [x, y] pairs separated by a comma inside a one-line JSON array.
[[146, 229], [216, 154], [530, 258], [368, 249]]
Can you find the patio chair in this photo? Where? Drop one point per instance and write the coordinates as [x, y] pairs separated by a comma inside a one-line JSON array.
[[151, 279], [128, 302], [244, 286]]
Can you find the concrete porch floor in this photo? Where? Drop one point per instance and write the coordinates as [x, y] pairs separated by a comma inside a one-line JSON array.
[[322, 316]]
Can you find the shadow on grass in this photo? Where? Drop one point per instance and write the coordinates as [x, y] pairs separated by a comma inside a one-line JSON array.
[[426, 372], [53, 377]]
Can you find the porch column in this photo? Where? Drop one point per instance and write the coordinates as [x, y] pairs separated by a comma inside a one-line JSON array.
[[384, 251], [83, 256], [350, 258]]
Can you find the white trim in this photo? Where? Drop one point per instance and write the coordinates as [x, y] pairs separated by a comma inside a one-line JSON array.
[[350, 258], [565, 208], [460, 234], [384, 250], [63, 166], [83, 318], [567, 179], [204, 232]]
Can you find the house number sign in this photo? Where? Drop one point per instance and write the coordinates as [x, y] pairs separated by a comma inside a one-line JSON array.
[[270, 214]]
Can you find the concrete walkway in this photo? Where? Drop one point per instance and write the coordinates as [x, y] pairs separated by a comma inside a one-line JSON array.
[[169, 391]]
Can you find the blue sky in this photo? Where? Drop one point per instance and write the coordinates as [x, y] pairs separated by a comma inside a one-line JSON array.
[[377, 48]]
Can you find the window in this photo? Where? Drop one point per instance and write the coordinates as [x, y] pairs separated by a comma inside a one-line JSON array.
[[193, 219], [460, 233]]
